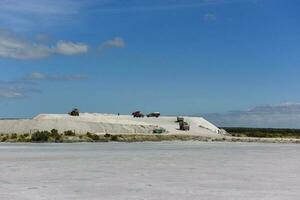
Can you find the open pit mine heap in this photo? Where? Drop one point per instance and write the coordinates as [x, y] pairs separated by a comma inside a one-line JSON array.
[[109, 124]]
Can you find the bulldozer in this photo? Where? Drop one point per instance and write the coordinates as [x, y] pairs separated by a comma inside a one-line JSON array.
[[74, 112]]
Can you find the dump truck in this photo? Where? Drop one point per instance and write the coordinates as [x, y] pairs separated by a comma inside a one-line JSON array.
[[74, 112], [154, 114], [138, 114], [184, 126]]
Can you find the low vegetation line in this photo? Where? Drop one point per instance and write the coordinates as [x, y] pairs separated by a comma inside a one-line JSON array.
[[263, 132], [70, 137]]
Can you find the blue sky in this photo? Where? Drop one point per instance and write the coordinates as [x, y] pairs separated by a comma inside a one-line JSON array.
[[173, 56]]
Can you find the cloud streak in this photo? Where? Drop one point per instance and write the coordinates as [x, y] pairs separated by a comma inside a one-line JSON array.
[[11, 92], [70, 48], [37, 76], [17, 48], [285, 115], [210, 17], [114, 43], [15, 90], [28, 85], [44, 7], [25, 15], [12, 47], [133, 5]]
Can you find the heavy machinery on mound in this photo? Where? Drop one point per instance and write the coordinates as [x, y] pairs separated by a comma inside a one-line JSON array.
[[74, 112], [138, 114], [183, 126], [180, 119], [154, 114]]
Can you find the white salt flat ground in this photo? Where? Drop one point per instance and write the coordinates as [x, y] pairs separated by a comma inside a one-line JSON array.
[[150, 171], [107, 123]]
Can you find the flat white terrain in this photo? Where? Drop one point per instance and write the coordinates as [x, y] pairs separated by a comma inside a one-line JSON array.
[[150, 171], [107, 123]]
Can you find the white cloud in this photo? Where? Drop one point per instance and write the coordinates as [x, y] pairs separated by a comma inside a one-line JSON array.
[[11, 47], [25, 15], [27, 85], [14, 47], [210, 17], [70, 48], [10, 92], [37, 76], [114, 43], [151, 5], [39, 6], [17, 48], [15, 89]]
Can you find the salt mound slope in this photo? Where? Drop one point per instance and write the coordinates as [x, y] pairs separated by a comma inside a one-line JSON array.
[[107, 123], [81, 127]]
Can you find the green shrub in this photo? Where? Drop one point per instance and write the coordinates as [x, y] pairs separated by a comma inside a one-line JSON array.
[[89, 134], [40, 136], [93, 136], [21, 138], [69, 133], [114, 138], [54, 131], [4, 139], [55, 136], [13, 136], [263, 132]]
